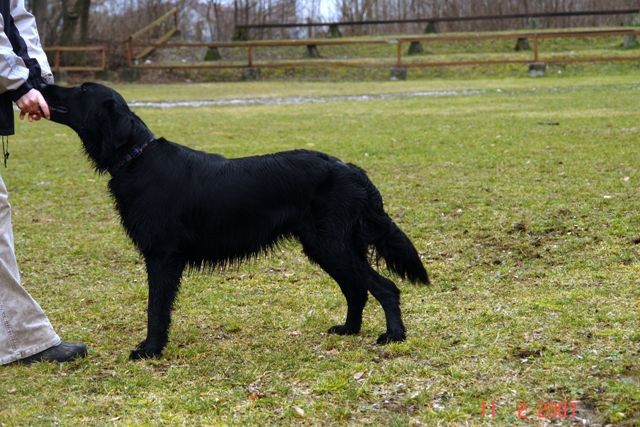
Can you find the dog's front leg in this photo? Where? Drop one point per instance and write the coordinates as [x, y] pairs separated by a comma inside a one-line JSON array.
[[164, 275]]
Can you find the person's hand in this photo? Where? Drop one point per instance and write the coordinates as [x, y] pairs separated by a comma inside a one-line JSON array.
[[33, 105]]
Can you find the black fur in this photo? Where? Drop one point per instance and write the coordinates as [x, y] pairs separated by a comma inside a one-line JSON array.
[[183, 207]]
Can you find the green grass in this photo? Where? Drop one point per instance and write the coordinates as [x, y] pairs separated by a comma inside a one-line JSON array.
[[523, 201]]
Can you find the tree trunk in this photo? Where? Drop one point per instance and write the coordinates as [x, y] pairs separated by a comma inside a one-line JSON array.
[[70, 18], [85, 6], [39, 11], [74, 14], [218, 17]]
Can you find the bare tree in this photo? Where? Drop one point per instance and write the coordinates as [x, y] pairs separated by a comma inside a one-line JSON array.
[[68, 22], [75, 22], [362, 10]]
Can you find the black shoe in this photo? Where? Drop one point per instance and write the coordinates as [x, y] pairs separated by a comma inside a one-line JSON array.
[[63, 352]]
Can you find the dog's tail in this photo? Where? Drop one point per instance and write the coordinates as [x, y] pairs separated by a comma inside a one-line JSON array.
[[390, 243]]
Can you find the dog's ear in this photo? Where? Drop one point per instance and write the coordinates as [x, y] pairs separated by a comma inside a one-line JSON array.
[[119, 122]]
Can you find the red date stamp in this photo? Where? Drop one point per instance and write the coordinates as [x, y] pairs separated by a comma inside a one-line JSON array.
[[488, 409], [543, 411]]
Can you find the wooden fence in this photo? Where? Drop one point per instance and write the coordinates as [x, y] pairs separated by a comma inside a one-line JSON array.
[[57, 51], [171, 16], [399, 61]]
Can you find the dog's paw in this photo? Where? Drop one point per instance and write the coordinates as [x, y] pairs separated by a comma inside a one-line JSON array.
[[343, 330], [388, 337], [141, 352]]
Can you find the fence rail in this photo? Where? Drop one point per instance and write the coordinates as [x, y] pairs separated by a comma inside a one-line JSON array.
[[56, 64], [400, 43], [436, 19]]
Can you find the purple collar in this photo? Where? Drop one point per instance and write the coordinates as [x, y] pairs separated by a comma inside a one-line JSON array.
[[134, 152]]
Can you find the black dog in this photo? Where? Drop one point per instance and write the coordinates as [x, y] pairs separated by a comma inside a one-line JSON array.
[[183, 207]]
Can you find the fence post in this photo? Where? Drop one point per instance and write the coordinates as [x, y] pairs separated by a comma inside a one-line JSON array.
[[250, 72], [398, 72], [537, 68], [130, 73], [103, 73]]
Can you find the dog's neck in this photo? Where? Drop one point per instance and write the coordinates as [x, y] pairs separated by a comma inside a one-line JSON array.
[[134, 151]]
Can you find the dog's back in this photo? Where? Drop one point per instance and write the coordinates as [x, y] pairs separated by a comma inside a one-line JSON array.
[[215, 210]]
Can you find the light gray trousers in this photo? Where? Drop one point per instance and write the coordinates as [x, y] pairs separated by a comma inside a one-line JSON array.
[[24, 328]]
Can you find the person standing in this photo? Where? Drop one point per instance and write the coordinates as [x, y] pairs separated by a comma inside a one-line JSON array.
[[26, 335]]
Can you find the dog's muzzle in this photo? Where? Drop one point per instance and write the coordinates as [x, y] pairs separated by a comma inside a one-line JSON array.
[[58, 109]]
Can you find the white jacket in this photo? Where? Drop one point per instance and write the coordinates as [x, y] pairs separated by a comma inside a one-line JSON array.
[[13, 70], [23, 63]]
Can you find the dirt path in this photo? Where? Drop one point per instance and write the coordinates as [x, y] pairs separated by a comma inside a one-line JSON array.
[[297, 100]]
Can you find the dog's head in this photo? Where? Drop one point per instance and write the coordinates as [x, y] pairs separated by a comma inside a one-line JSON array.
[[101, 118]]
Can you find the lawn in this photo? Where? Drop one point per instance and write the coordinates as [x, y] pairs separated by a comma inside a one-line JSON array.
[[522, 197]]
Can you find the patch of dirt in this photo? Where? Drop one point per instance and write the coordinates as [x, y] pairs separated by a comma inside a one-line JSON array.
[[586, 414], [527, 353]]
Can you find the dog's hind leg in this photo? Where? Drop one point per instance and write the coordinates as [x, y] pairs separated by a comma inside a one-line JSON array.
[[164, 275], [355, 277], [338, 263], [388, 295], [351, 270], [356, 296]]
